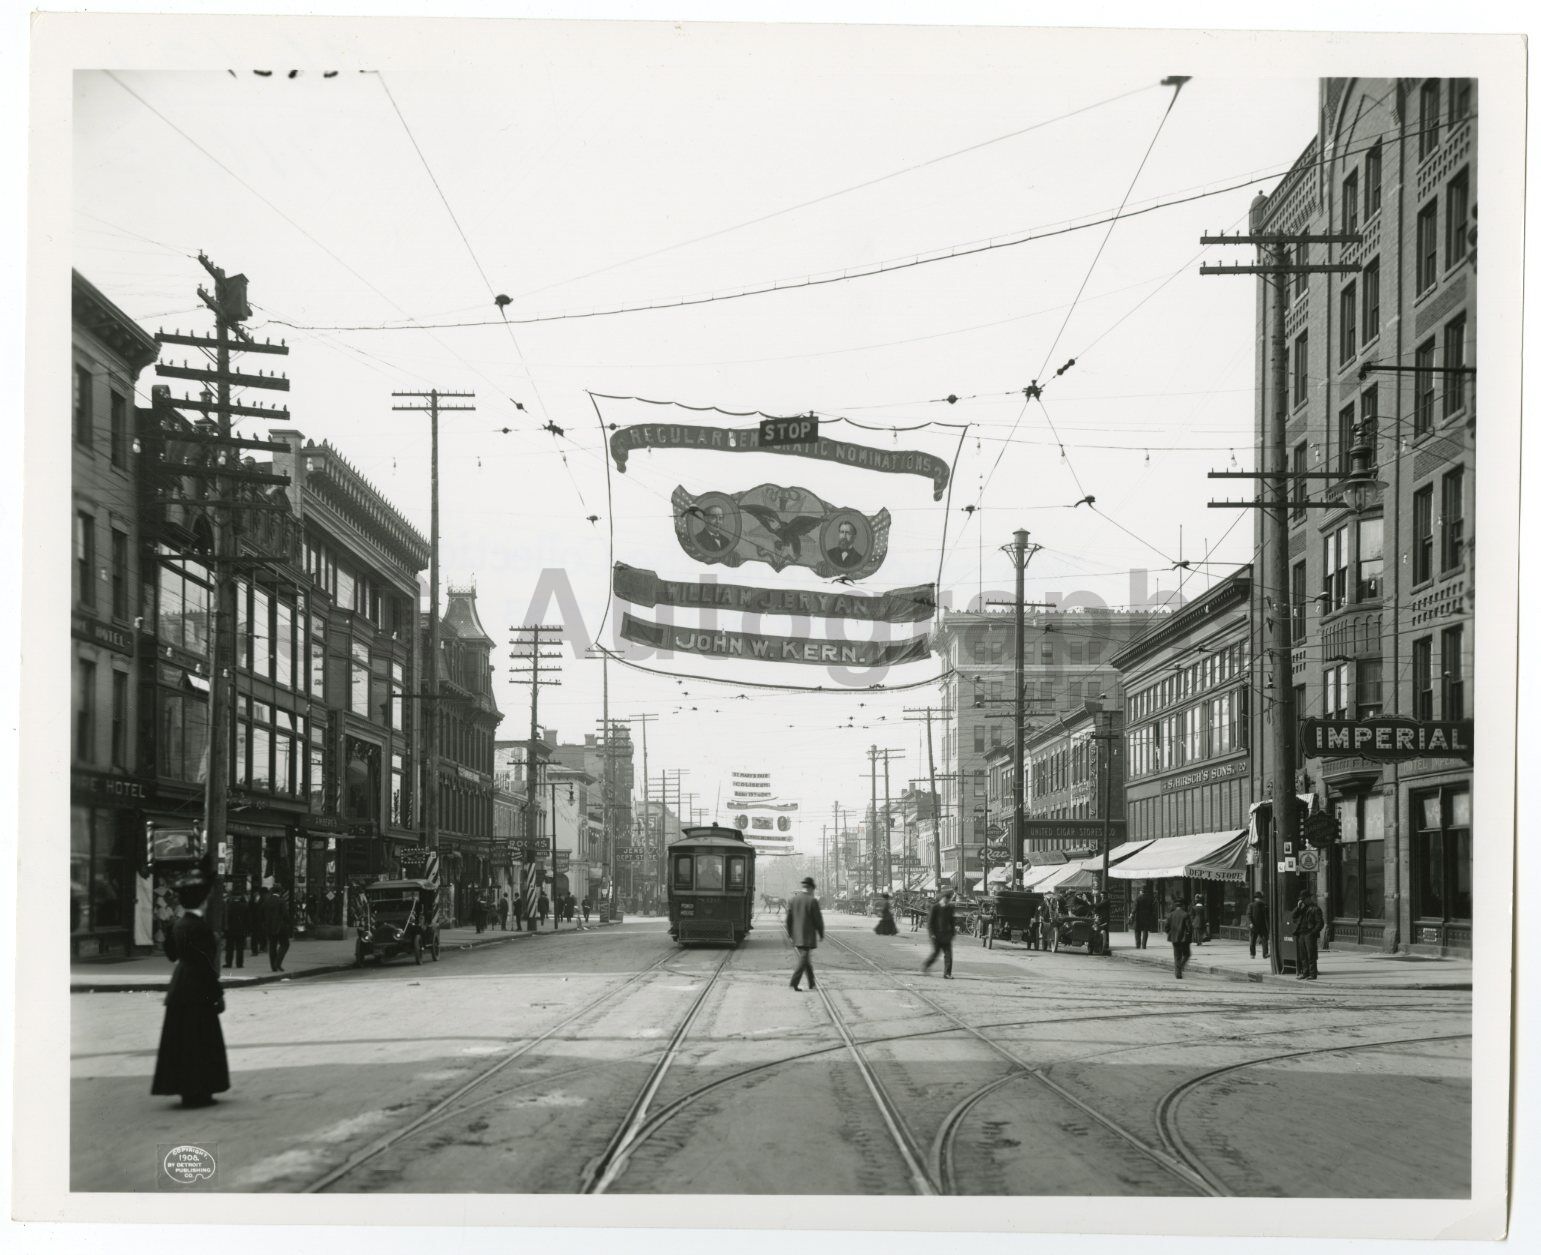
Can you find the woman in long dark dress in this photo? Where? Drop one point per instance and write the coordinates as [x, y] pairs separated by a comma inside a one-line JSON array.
[[191, 1060], [886, 926]]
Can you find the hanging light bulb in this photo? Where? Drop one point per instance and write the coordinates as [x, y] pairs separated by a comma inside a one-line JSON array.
[[1234, 462]]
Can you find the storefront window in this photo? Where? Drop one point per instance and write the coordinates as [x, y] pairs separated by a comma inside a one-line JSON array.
[[1442, 853], [398, 791], [363, 780]]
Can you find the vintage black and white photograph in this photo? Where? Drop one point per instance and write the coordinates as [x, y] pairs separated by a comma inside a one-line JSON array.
[[844, 612]]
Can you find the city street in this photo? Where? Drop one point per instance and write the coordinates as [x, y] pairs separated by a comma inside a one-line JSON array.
[[612, 1060]]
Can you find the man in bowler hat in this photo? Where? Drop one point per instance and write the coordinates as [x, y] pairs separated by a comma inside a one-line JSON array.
[[805, 925]]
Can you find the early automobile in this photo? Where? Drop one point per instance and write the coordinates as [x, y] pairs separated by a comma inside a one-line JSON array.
[[398, 917]]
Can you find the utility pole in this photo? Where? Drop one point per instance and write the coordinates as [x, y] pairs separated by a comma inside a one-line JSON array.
[[430, 764], [927, 712], [230, 308], [1021, 551], [652, 830], [528, 653], [872, 828], [1276, 588]]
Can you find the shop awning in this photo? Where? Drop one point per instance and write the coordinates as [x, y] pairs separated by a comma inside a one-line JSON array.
[[1115, 856], [1201, 856], [1066, 879]]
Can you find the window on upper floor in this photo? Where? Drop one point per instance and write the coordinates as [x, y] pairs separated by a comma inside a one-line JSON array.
[[1452, 518], [1372, 178], [1368, 701], [85, 559], [1454, 363], [1298, 381], [1335, 692], [1452, 682], [117, 447], [1458, 94], [85, 418], [1350, 203], [1369, 285], [1423, 388], [1427, 256], [1428, 117], [1348, 323], [1423, 534], [1335, 569], [1371, 569], [1457, 217]]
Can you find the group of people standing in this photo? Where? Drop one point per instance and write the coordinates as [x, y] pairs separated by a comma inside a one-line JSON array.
[[264, 920], [484, 910], [1183, 927]]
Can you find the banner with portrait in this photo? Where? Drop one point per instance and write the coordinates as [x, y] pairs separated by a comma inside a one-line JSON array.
[[729, 556]]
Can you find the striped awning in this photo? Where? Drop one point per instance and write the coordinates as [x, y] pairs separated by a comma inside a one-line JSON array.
[[1198, 856]]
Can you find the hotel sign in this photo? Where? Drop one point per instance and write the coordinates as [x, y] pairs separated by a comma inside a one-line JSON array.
[[1386, 740]]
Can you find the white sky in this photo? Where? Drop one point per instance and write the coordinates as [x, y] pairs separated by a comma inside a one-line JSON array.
[[584, 151]]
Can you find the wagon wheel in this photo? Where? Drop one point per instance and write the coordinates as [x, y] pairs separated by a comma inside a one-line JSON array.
[[417, 949]]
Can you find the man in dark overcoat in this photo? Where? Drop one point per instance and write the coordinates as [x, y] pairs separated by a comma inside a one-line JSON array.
[[1179, 931], [1308, 923], [258, 920], [1144, 918], [237, 925], [1257, 924], [275, 919], [805, 926], [941, 926]]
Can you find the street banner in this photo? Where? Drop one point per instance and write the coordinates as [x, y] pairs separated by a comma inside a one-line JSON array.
[[756, 646], [747, 440], [780, 527], [915, 604], [812, 546]]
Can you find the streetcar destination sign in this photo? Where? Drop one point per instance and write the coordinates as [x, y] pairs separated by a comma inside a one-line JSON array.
[[1386, 740]]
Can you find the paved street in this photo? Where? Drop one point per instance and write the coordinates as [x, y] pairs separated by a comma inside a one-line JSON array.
[[611, 1060]]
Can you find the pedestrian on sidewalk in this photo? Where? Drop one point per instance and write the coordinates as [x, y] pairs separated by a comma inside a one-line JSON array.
[[237, 925], [805, 926], [503, 911], [1200, 920], [1308, 922], [259, 926], [542, 907], [277, 925], [191, 1058], [517, 907], [587, 907], [1144, 918], [886, 926], [478, 911], [1257, 924], [941, 926], [1179, 931]]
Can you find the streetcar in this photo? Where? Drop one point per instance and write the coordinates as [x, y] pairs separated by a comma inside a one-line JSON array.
[[711, 886]]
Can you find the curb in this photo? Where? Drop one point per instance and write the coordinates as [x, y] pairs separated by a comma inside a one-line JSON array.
[[273, 978], [1266, 977]]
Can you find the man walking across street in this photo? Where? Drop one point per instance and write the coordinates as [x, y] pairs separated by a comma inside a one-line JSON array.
[[1179, 931], [941, 925], [1144, 918], [275, 918], [1308, 924], [1257, 924], [805, 926]]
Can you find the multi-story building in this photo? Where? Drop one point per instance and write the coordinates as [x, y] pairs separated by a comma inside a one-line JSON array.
[[468, 719], [110, 786], [1189, 687], [1381, 595], [573, 847], [1067, 661], [611, 763]]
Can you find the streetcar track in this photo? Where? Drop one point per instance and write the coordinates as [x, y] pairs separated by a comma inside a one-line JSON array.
[[388, 1140], [603, 1172], [1171, 1101]]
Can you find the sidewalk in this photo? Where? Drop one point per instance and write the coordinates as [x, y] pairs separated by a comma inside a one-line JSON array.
[[306, 957], [1340, 969]]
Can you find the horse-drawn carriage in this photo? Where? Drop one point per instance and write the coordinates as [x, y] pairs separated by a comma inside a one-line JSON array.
[[1075, 920]]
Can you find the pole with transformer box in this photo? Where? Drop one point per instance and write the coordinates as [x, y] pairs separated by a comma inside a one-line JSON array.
[[1277, 503], [229, 305]]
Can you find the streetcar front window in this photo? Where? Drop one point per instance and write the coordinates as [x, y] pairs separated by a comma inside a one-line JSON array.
[[735, 873], [682, 871], [708, 871]]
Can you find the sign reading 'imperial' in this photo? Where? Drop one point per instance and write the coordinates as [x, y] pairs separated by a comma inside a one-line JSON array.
[[1385, 740], [747, 440]]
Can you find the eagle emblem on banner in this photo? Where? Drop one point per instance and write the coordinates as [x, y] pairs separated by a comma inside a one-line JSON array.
[[780, 527]]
